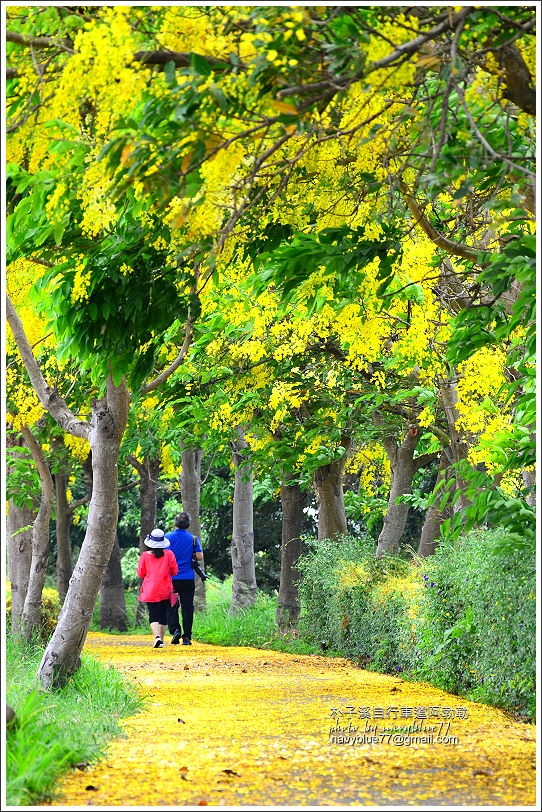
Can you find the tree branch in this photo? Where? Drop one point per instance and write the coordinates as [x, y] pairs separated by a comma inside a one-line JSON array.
[[48, 397], [39, 42], [180, 59], [134, 462], [164, 375], [455, 248], [426, 459]]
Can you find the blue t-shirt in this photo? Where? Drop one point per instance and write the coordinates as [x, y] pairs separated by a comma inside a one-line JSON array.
[[181, 544]]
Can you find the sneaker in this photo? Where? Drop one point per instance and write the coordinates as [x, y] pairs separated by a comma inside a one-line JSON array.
[[186, 641], [176, 638], [158, 643]]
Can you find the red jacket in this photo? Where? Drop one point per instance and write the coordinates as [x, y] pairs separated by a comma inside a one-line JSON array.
[[156, 574]]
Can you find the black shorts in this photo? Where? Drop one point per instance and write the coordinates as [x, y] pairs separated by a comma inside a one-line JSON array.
[[158, 611]]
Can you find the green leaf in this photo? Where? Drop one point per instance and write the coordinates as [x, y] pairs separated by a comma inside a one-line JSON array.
[[58, 231], [169, 74], [200, 65]]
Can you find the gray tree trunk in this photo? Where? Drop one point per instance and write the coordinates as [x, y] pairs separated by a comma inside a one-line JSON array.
[[63, 543], [293, 501], [529, 480], [402, 473], [328, 485], [148, 471], [62, 656], [19, 552], [40, 541], [434, 517], [19, 525], [242, 546], [190, 496], [112, 602], [458, 446]]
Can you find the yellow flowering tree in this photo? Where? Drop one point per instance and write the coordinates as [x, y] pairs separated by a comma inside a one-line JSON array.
[[152, 147]]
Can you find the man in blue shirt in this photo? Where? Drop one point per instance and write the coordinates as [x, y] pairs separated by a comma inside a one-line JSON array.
[[183, 545]]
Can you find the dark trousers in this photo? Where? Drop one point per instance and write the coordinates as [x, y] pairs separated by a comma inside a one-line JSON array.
[[186, 589]]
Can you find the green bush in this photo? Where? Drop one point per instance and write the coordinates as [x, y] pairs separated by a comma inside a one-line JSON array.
[[50, 610], [477, 628], [128, 566], [321, 609], [463, 619], [355, 603]]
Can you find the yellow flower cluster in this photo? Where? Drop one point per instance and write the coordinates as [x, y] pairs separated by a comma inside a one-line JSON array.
[[372, 465], [379, 47], [426, 417], [362, 333], [57, 205], [167, 463], [24, 408], [312, 448], [478, 388], [99, 211], [77, 446], [286, 393], [191, 30], [251, 350], [219, 173], [223, 419], [81, 282]]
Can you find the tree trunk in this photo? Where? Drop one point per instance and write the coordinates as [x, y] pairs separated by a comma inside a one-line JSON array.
[[459, 448], [63, 544], [148, 491], [402, 473], [40, 541], [19, 552], [293, 501], [19, 525], [434, 517], [148, 471], [190, 495], [529, 481], [112, 603], [328, 484], [62, 656], [242, 545]]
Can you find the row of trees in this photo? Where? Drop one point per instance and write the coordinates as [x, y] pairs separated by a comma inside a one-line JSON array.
[[302, 238]]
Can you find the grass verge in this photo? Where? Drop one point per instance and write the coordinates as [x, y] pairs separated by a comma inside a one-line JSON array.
[[58, 730], [255, 626]]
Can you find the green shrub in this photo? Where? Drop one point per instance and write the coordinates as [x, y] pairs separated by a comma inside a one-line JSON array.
[[463, 619], [355, 603], [321, 609], [128, 566], [477, 629], [49, 612]]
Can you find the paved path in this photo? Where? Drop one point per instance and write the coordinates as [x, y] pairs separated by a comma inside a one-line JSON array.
[[242, 727]]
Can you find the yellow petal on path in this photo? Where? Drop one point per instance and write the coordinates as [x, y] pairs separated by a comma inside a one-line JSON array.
[[263, 728]]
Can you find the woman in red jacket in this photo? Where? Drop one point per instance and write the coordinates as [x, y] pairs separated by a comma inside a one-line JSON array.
[[156, 566]]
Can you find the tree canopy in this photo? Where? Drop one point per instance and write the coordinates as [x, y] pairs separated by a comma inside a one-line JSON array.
[[287, 217]]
